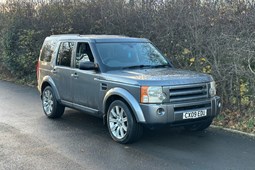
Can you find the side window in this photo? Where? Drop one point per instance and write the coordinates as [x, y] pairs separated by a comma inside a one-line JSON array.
[[83, 53], [65, 54], [47, 51]]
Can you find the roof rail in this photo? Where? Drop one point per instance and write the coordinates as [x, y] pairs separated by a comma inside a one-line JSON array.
[[64, 35]]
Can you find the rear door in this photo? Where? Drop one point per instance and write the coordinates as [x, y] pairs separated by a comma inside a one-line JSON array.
[[61, 73]]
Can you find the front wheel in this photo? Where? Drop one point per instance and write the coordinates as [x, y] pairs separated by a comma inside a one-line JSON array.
[[51, 107], [121, 123], [199, 126]]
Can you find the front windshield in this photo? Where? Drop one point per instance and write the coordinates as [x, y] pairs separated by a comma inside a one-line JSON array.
[[127, 55]]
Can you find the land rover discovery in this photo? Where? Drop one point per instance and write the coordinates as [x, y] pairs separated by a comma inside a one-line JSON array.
[[126, 81]]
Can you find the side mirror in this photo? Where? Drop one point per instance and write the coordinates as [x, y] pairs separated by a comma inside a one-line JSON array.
[[87, 65]]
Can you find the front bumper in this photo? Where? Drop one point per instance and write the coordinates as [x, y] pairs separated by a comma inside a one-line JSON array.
[[173, 112]]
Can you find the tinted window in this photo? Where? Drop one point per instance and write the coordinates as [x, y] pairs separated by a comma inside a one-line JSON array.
[[47, 50], [130, 54], [65, 54]]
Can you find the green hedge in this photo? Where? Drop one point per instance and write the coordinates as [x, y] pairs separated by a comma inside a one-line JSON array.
[[210, 36]]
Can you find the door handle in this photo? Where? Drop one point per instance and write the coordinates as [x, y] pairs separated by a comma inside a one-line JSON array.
[[74, 75]]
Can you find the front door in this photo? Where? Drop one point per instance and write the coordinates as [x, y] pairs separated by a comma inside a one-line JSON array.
[[86, 90]]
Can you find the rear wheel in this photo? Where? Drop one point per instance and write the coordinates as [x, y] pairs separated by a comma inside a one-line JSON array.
[[51, 107], [199, 126], [121, 123]]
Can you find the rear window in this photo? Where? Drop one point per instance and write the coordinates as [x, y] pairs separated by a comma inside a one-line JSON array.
[[47, 50]]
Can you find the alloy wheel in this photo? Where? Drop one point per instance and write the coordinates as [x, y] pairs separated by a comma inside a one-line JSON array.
[[48, 102], [118, 122]]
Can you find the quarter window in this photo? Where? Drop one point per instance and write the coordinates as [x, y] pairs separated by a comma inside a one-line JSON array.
[[47, 51], [65, 54]]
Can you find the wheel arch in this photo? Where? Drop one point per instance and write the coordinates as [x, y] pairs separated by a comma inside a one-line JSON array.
[[125, 96], [47, 81]]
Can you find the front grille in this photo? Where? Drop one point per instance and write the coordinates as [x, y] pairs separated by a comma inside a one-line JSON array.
[[203, 106], [188, 92], [192, 107]]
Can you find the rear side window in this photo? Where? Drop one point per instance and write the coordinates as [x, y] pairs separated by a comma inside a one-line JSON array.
[[47, 50], [65, 54]]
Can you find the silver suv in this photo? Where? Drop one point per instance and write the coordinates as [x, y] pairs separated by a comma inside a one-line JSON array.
[[125, 81]]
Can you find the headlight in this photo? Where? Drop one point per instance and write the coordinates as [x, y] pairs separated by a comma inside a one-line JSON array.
[[152, 94], [212, 90]]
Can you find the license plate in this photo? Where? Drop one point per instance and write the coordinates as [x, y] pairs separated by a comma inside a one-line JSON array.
[[194, 114]]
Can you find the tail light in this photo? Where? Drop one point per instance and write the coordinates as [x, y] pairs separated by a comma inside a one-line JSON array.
[[37, 70]]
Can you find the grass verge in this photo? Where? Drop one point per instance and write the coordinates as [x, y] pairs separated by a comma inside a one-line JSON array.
[[235, 120]]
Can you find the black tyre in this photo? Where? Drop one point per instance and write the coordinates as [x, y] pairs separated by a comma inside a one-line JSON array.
[[51, 107], [199, 126], [121, 123]]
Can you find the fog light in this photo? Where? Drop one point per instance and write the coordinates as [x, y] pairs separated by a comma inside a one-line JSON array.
[[161, 111]]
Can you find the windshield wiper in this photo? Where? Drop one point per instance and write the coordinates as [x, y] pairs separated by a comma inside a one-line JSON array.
[[137, 66], [145, 66], [159, 66]]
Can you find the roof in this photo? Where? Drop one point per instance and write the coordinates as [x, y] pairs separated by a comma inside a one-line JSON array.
[[98, 38]]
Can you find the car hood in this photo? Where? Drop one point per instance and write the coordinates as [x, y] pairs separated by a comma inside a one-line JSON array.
[[157, 76]]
